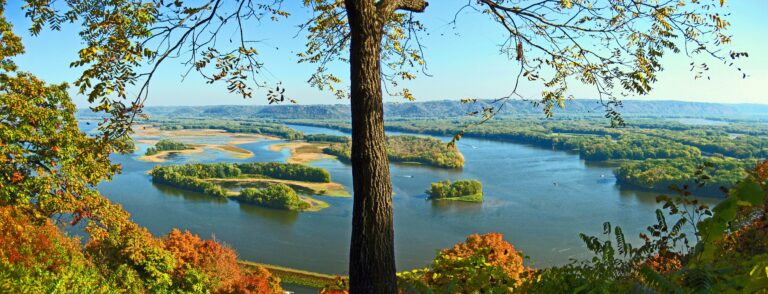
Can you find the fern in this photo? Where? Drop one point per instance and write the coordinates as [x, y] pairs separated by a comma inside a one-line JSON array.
[[678, 226], [621, 242], [662, 220], [699, 280]]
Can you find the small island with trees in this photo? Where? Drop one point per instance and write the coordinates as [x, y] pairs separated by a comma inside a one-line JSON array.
[[167, 145], [461, 190], [272, 185]]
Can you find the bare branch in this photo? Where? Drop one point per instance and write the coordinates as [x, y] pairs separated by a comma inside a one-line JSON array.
[[387, 7]]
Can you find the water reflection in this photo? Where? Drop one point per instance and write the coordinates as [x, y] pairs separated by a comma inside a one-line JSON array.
[[451, 207], [277, 216], [187, 195]]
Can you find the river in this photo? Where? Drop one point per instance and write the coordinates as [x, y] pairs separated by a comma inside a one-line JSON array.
[[539, 199]]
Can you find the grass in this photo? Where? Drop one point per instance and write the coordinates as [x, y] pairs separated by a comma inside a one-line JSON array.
[[325, 189], [314, 204], [293, 276]]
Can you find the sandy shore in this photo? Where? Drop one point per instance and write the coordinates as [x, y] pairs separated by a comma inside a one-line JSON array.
[[302, 152], [146, 131]]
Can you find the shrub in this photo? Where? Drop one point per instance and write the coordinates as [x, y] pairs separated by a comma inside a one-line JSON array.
[[484, 263], [208, 265], [206, 258]]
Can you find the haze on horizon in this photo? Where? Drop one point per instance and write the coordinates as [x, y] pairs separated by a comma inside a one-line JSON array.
[[463, 62]]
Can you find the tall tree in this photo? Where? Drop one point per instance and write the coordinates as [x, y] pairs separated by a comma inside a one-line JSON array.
[[615, 46]]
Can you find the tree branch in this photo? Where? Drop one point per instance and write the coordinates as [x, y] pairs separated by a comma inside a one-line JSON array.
[[386, 7]]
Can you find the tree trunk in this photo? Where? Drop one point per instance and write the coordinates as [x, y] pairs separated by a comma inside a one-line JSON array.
[[372, 252]]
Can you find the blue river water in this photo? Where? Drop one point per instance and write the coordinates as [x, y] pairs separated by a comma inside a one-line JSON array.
[[539, 199]]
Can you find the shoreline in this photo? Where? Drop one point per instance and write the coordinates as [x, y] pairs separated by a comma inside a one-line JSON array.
[[293, 276], [147, 134], [331, 189], [314, 204]]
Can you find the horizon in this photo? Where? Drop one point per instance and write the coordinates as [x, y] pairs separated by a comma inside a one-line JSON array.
[[453, 100], [472, 68]]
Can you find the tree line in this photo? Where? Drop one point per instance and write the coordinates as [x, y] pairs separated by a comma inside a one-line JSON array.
[[424, 150], [251, 127], [703, 176], [270, 128], [592, 142], [173, 177], [275, 170]]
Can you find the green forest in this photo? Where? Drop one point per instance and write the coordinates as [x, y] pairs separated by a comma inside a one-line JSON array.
[[461, 190], [703, 176]]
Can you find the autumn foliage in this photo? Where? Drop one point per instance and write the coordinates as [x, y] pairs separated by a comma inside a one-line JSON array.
[[665, 263], [494, 249], [26, 243], [257, 282], [127, 258], [481, 263], [218, 263]]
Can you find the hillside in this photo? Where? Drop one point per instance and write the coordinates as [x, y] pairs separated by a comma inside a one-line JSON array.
[[452, 108]]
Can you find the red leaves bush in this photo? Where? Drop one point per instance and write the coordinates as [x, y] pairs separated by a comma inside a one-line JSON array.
[[499, 252], [22, 241], [482, 264], [218, 263]]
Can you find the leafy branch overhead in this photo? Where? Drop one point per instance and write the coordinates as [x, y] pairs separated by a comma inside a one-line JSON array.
[[615, 46]]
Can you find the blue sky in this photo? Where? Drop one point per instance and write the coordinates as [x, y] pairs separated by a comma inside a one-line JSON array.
[[464, 62]]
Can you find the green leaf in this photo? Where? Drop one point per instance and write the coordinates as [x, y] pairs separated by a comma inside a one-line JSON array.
[[749, 191]]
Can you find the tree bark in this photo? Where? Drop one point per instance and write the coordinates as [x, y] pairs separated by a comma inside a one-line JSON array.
[[372, 251]]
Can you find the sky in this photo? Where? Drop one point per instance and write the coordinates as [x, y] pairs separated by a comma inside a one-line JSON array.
[[463, 62]]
